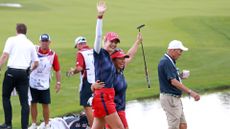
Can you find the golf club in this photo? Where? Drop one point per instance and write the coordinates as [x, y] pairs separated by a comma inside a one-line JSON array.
[[143, 54]]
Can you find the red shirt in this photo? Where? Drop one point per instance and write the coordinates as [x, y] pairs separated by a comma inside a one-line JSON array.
[[80, 60], [56, 65]]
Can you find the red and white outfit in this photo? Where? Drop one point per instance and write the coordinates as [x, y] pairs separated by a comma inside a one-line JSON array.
[[40, 77], [86, 61], [87, 77]]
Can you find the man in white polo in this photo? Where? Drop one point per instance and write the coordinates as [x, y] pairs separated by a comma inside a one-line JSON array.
[[171, 86], [21, 52]]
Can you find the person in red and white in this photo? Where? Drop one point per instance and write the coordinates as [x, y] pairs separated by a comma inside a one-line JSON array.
[[84, 66], [40, 80]]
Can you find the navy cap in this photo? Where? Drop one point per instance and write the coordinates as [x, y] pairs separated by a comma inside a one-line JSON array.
[[44, 37]]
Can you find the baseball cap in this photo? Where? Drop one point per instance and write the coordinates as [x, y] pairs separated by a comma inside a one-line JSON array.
[[111, 36], [119, 54], [79, 39], [176, 44], [44, 37]]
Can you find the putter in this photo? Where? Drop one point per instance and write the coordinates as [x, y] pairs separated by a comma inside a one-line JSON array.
[[143, 54]]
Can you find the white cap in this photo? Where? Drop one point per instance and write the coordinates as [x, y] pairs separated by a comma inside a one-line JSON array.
[[80, 39], [176, 44]]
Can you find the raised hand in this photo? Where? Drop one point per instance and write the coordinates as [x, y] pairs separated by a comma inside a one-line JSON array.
[[101, 7], [139, 38]]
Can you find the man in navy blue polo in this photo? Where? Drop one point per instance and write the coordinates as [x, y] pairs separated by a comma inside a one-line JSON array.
[[171, 86]]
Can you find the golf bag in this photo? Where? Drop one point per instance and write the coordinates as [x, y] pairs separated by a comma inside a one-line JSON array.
[[77, 121]]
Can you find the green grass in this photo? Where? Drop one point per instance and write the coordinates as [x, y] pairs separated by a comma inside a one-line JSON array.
[[203, 26]]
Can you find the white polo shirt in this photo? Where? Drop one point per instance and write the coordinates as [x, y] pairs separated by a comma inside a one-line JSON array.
[[21, 52]]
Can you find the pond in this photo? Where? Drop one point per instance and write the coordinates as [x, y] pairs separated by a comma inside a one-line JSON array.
[[211, 112]]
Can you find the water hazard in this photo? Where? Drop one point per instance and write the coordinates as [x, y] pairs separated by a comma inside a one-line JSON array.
[[211, 112]]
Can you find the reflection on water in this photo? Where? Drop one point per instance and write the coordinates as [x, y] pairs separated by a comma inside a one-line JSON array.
[[211, 112], [225, 98]]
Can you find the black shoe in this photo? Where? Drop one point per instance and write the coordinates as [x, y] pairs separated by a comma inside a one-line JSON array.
[[5, 126]]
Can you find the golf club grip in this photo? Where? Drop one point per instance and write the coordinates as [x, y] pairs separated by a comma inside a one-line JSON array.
[[146, 69]]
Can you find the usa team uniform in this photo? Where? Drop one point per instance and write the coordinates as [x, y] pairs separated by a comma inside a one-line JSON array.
[[103, 102], [120, 86]]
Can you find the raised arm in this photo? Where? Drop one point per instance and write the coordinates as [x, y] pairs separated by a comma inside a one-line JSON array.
[[101, 8], [133, 50]]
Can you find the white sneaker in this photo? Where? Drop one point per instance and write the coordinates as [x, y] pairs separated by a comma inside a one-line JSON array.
[[33, 126], [48, 126]]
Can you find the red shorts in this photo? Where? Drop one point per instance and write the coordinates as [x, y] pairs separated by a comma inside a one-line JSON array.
[[103, 102], [122, 116]]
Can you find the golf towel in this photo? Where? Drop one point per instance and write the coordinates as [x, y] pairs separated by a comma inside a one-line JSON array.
[[55, 123]]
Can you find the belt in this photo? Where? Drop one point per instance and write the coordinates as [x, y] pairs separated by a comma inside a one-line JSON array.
[[169, 94], [17, 69]]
